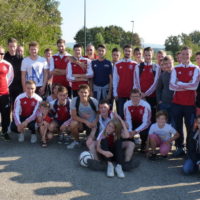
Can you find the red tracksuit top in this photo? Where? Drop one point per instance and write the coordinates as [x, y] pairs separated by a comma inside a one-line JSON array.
[[6, 77], [123, 77], [184, 81], [60, 64]]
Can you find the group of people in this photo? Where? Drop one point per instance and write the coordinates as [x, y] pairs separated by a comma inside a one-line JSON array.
[[64, 95]]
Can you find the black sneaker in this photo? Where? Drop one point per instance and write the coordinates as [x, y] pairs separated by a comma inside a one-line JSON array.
[[60, 138], [96, 165], [179, 152], [67, 139], [153, 157], [6, 137]]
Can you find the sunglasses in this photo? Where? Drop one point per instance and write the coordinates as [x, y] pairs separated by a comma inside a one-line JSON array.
[[1, 54]]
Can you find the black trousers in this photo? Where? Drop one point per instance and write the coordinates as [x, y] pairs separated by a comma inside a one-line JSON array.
[[31, 125], [153, 104], [116, 149], [5, 112]]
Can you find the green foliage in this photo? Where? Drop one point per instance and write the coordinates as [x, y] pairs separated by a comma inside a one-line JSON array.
[[109, 35], [28, 20], [175, 43]]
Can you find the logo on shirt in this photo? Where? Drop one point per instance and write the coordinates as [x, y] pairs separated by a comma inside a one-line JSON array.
[[25, 102], [130, 67], [190, 73], [179, 72], [56, 59], [120, 67], [95, 65], [106, 65]]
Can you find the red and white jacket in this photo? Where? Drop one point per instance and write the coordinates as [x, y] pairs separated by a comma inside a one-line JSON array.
[[59, 62], [147, 80], [73, 68], [137, 114], [26, 107], [184, 81], [123, 75], [6, 76]]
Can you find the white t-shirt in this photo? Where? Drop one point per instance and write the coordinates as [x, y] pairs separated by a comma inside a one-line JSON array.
[[164, 133], [35, 69]]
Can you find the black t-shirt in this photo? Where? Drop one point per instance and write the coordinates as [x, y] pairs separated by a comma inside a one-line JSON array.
[[16, 62]]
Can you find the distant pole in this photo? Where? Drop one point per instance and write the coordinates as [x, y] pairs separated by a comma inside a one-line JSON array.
[[85, 27], [132, 32]]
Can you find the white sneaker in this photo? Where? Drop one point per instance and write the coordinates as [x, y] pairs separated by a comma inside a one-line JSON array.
[[72, 145], [33, 138], [110, 170], [119, 171], [21, 137]]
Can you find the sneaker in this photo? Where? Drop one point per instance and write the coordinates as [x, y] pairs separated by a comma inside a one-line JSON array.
[[119, 171], [153, 157], [96, 165], [73, 145], [6, 136], [33, 138], [179, 152], [67, 139], [137, 140], [110, 170], [21, 137], [60, 138]]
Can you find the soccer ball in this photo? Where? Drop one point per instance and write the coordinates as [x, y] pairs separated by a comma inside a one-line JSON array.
[[84, 156]]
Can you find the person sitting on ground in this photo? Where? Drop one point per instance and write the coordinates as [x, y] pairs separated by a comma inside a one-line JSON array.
[[161, 134], [137, 114], [25, 109], [84, 114], [61, 110], [109, 145], [54, 92], [44, 121], [192, 164]]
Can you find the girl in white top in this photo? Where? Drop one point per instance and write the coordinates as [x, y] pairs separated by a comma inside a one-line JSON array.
[[161, 134]]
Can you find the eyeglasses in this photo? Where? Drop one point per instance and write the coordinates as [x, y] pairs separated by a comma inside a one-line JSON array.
[[1, 54]]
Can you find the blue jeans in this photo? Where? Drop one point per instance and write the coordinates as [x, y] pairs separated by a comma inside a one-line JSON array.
[[188, 113], [189, 167]]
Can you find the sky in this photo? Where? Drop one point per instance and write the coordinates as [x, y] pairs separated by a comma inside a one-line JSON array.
[[154, 20]]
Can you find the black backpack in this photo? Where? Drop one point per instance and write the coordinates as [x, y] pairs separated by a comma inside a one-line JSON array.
[[90, 102], [141, 67]]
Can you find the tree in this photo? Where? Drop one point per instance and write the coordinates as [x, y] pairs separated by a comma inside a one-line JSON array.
[[98, 39], [28, 20], [173, 44]]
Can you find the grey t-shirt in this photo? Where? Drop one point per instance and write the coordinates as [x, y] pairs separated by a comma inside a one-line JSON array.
[[85, 112]]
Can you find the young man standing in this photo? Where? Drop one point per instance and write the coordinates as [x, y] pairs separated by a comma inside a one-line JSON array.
[[123, 79], [79, 74], [184, 82], [58, 66], [84, 114], [146, 79], [15, 60], [35, 68], [115, 55], [6, 78], [90, 52], [25, 109], [102, 79], [138, 116]]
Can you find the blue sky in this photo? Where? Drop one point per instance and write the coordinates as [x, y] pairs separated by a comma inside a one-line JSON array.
[[154, 20]]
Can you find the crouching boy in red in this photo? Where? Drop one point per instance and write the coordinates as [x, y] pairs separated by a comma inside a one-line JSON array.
[[25, 109]]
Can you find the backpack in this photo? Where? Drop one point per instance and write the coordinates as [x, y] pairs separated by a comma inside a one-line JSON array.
[[91, 103], [141, 67]]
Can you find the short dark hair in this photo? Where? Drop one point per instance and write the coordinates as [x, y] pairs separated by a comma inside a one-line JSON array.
[[197, 53], [77, 46], [12, 40], [47, 50], [62, 89], [137, 49], [59, 41], [136, 91], [104, 101], [84, 87], [115, 50], [128, 46], [148, 49], [161, 113], [186, 48], [101, 46], [33, 44]]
